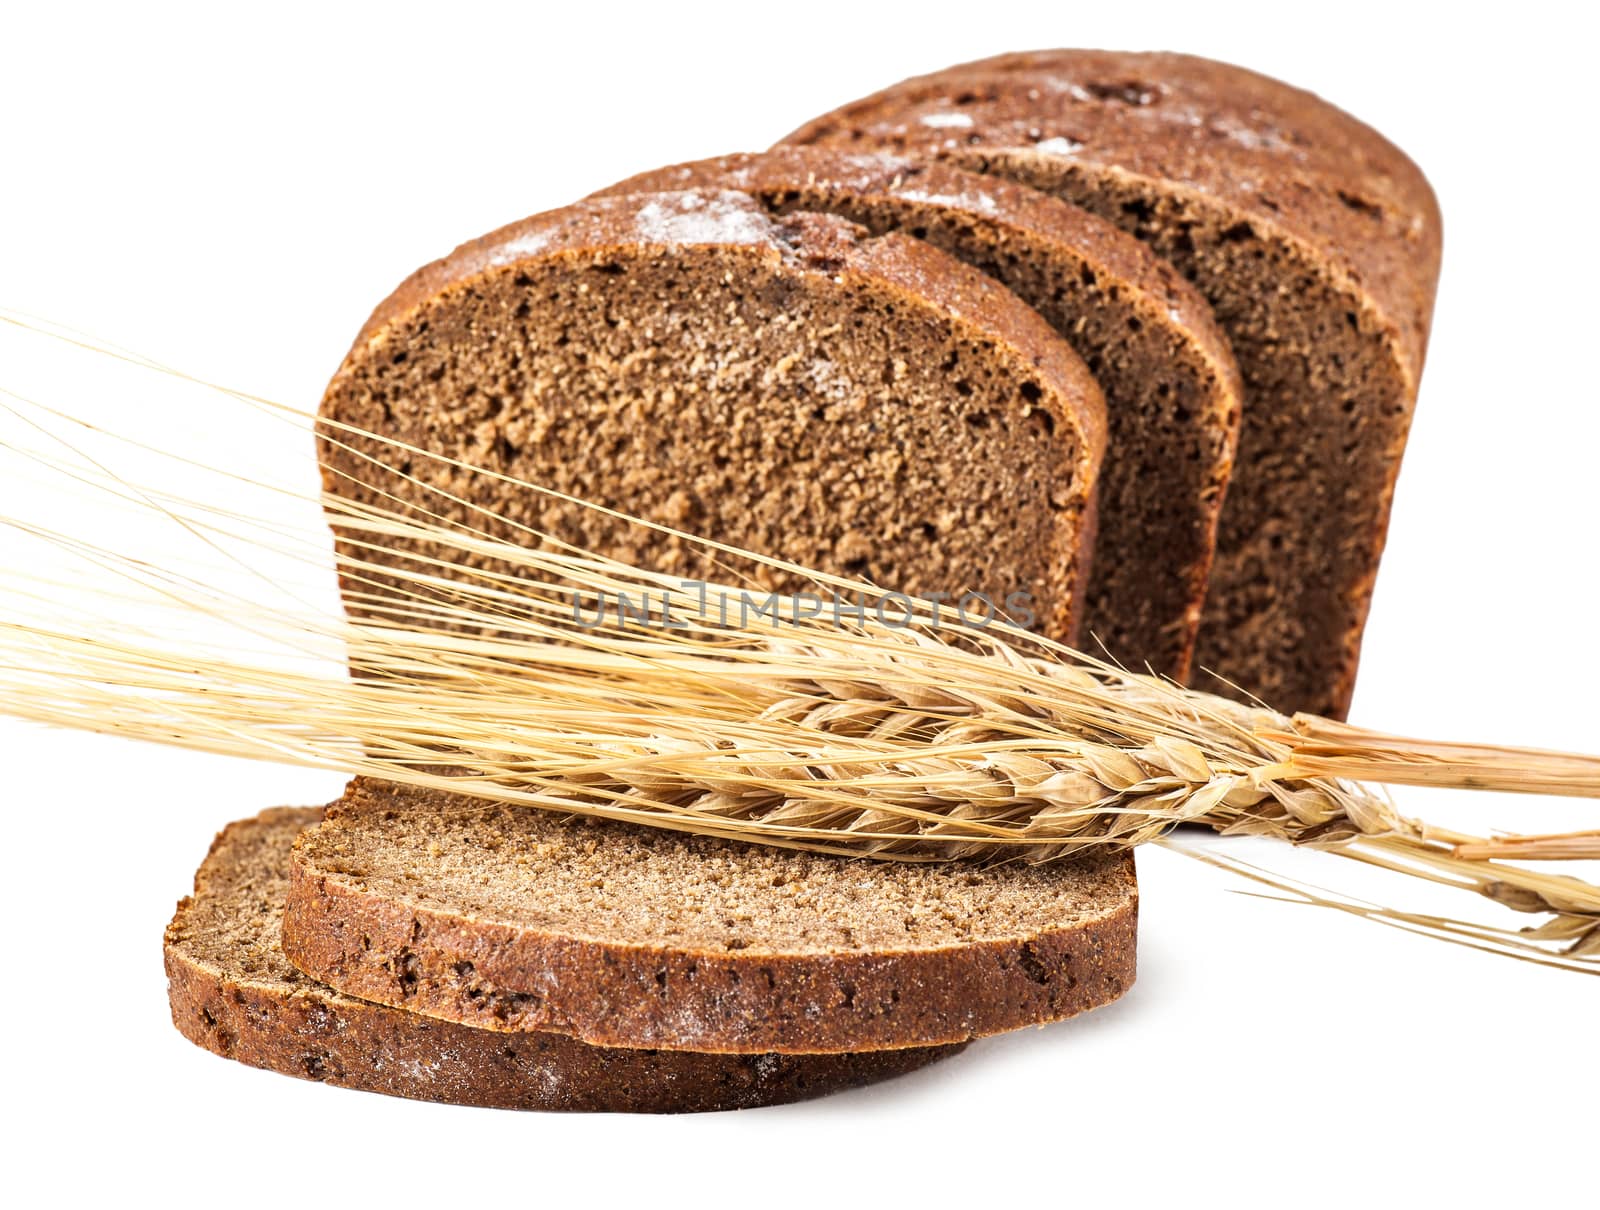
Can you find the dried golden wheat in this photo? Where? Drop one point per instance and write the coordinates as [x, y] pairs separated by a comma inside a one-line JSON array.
[[923, 741]]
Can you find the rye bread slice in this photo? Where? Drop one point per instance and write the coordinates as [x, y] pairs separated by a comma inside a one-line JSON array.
[[1172, 388], [515, 919], [233, 993], [1317, 244], [863, 404]]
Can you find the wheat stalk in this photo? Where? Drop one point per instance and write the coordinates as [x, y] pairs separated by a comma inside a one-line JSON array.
[[932, 741]]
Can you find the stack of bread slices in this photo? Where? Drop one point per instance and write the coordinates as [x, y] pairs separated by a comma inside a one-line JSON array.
[[1127, 344], [429, 946]]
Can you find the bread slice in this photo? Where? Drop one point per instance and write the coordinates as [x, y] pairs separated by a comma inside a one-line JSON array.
[[1316, 242], [515, 920], [1172, 388], [797, 385], [233, 993]]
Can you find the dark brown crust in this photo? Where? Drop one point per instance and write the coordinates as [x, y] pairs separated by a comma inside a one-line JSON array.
[[510, 978], [599, 229], [1038, 228], [315, 1033], [1222, 141]]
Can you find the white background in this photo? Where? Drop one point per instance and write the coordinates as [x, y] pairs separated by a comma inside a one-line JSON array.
[[231, 189]]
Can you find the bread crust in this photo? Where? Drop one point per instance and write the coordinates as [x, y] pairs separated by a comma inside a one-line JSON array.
[[1008, 231], [1238, 151], [410, 953], [302, 1029]]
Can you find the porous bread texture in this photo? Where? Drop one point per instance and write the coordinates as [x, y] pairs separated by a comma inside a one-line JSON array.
[[515, 919], [794, 385], [1317, 244], [1171, 386], [233, 993]]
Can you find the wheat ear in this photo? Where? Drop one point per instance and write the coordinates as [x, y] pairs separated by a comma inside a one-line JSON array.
[[921, 742]]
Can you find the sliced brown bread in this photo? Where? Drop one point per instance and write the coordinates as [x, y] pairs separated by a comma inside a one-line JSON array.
[[797, 385], [514, 919], [1172, 389], [1317, 244], [234, 994]]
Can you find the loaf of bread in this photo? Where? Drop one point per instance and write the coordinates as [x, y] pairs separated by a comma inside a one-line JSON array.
[[892, 349], [1172, 389], [1317, 244], [794, 384], [519, 920], [233, 993]]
